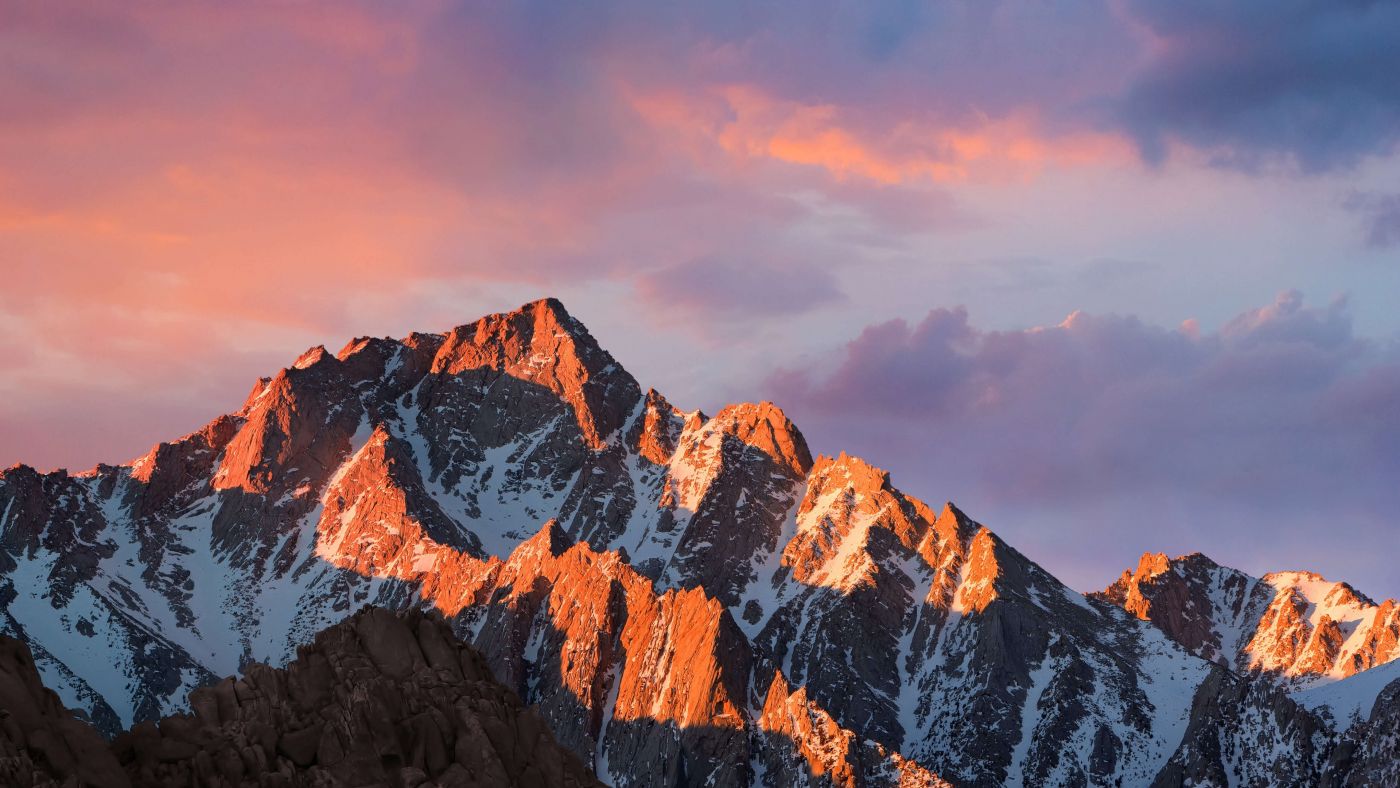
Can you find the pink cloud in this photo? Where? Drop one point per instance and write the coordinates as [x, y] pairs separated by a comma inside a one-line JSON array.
[[190, 194]]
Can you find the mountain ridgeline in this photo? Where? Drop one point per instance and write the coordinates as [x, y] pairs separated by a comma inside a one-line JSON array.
[[684, 599]]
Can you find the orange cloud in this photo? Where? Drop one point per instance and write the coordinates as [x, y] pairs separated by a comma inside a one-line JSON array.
[[747, 123], [221, 185]]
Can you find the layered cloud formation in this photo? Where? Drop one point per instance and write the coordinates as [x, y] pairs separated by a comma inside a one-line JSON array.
[[191, 193]]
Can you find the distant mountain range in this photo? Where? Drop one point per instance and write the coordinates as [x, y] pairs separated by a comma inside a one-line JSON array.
[[686, 599]]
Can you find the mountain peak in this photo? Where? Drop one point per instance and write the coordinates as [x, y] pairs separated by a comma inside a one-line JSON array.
[[534, 326], [1153, 564], [17, 469], [553, 307], [1316, 588], [541, 344], [1287, 624], [951, 513], [550, 540], [764, 426], [545, 315], [311, 357], [862, 474]]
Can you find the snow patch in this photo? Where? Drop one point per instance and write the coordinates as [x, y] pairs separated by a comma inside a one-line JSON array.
[[1351, 699]]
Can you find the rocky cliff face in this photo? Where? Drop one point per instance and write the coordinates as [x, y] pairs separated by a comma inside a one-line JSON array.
[[799, 743], [1368, 752], [686, 599], [1244, 732], [41, 742], [1296, 627], [379, 699]]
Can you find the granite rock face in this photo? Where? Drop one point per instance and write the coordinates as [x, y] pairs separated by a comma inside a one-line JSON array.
[[1250, 733], [1294, 627], [41, 742], [686, 599], [380, 699], [1368, 753], [801, 744]]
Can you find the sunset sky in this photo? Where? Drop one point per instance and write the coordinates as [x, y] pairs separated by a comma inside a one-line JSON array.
[[1113, 276]]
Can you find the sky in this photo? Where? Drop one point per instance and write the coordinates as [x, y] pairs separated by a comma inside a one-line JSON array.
[[1112, 276]]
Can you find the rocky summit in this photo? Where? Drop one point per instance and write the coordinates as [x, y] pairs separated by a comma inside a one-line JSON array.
[[682, 599]]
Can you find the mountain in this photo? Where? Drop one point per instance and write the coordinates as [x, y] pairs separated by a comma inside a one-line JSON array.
[[393, 700], [1295, 627], [686, 599], [41, 742]]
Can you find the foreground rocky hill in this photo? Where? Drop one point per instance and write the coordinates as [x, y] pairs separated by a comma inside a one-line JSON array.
[[41, 742], [686, 599], [379, 699]]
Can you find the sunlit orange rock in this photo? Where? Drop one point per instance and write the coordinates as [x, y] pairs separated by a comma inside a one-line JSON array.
[[1295, 626], [543, 344]]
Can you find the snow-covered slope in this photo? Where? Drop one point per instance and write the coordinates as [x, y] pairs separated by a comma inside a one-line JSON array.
[[1351, 699]]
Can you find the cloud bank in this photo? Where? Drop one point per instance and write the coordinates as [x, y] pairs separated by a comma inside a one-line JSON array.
[[191, 193], [1275, 431]]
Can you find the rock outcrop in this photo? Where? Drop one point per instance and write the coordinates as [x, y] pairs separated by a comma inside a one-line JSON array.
[[801, 744], [1244, 732], [41, 742], [380, 699], [1368, 753]]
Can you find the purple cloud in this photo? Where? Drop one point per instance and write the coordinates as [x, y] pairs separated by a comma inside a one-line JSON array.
[[1253, 80], [746, 288], [1381, 216], [1280, 420]]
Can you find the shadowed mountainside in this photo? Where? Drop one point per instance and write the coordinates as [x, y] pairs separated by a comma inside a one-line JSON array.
[[380, 698], [393, 699]]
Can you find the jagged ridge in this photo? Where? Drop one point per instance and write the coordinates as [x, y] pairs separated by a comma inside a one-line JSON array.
[[1296, 627], [712, 555]]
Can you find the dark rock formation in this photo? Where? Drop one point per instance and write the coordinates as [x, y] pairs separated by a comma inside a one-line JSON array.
[[380, 699], [1368, 753], [1247, 732], [41, 742]]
